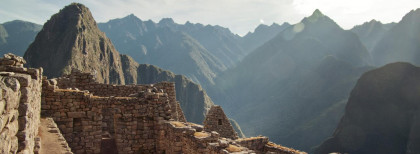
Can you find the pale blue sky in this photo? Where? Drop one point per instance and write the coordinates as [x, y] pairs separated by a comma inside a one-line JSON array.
[[240, 16]]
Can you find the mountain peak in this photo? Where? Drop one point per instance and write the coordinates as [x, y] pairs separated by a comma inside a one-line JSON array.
[[132, 17], [73, 15], [76, 42], [75, 8], [167, 21], [319, 18], [317, 13]]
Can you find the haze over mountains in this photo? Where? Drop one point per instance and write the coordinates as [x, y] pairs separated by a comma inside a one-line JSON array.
[[205, 50], [15, 36], [382, 114], [401, 43], [371, 32], [294, 78], [288, 82]]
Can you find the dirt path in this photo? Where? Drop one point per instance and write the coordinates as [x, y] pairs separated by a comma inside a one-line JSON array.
[[50, 139]]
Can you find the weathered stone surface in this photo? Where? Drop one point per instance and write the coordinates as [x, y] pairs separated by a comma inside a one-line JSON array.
[[216, 120], [20, 105]]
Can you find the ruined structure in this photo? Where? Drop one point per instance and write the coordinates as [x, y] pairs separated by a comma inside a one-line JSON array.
[[20, 104], [216, 120], [102, 118]]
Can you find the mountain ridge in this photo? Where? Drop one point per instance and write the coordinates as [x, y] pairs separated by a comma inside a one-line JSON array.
[[72, 40], [389, 92]]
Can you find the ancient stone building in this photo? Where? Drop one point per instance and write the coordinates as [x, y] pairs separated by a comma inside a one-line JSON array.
[[85, 116], [216, 120]]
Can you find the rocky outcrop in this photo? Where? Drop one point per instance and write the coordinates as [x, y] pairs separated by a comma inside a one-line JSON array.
[[382, 114], [71, 39]]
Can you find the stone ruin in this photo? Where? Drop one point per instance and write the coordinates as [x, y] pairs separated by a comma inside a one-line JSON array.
[[91, 117], [216, 120], [20, 105]]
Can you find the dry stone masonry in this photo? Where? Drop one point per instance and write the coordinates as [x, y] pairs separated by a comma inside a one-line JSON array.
[[216, 120], [103, 118], [20, 105]]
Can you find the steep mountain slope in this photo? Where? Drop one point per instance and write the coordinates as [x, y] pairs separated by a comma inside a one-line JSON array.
[[382, 114], [148, 42], [71, 39], [204, 50], [261, 34], [194, 100], [220, 41], [288, 81], [400, 43], [371, 32], [15, 36]]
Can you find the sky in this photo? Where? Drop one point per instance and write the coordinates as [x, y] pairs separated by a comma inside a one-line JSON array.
[[240, 16]]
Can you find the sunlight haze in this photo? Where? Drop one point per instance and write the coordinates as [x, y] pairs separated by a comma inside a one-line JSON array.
[[240, 16]]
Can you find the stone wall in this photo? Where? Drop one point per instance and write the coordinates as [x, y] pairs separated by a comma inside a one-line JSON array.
[[136, 121], [77, 115], [19, 105], [216, 120], [180, 137], [261, 144], [100, 118], [86, 81], [132, 122]]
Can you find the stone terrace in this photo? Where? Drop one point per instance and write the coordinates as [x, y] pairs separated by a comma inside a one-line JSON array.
[[101, 118]]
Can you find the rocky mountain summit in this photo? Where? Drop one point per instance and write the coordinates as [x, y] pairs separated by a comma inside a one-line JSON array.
[[72, 40], [382, 114]]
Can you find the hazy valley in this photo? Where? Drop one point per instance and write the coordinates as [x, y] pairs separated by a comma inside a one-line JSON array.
[[299, 84]]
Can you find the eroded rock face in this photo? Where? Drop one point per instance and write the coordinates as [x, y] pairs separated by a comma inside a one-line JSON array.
[[71, 39], [382, 114]]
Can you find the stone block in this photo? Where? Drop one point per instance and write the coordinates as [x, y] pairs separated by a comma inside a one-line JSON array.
[[76, 114]]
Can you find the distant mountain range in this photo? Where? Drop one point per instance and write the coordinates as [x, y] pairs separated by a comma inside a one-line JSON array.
[[72, 40], [401, 42], [15, 36], [200, 52], [289, 82], [293, 80], [371, 32]]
